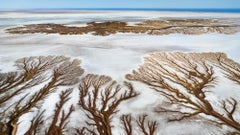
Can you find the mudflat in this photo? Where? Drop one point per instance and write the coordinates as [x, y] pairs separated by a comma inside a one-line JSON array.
[[151, 27]]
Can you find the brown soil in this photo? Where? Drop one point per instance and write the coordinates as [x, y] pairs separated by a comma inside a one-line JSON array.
[[152, 27]]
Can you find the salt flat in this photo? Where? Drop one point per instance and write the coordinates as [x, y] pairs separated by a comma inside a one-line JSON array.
[[116, 56]]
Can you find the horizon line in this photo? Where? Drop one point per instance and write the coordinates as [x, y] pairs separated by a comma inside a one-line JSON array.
[[132, 9], [112, 8]]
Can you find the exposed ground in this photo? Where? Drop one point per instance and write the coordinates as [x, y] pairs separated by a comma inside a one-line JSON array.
[[73, 83], [152, 27], [185, 83]]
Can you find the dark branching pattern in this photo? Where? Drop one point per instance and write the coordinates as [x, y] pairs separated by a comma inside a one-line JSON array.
[[183, 80], [100, 97], [146, 127], [231, 68], [149, 127], [36, 123], [55, 129], [59, 121], [52, 71], [127, 124]]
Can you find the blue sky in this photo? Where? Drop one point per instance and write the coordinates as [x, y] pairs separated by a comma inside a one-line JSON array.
[[31, 4]]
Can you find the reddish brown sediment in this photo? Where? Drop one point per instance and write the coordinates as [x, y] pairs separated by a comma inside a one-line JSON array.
[[32, 69], [151, 27], [100, 104], [194, 75], [184, 81]]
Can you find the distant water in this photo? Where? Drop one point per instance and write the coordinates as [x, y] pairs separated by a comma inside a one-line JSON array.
[[221, 10], [99, 16]]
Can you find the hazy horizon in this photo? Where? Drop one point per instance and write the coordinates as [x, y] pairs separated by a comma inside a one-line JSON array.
[[213, 10], [104, 4]]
